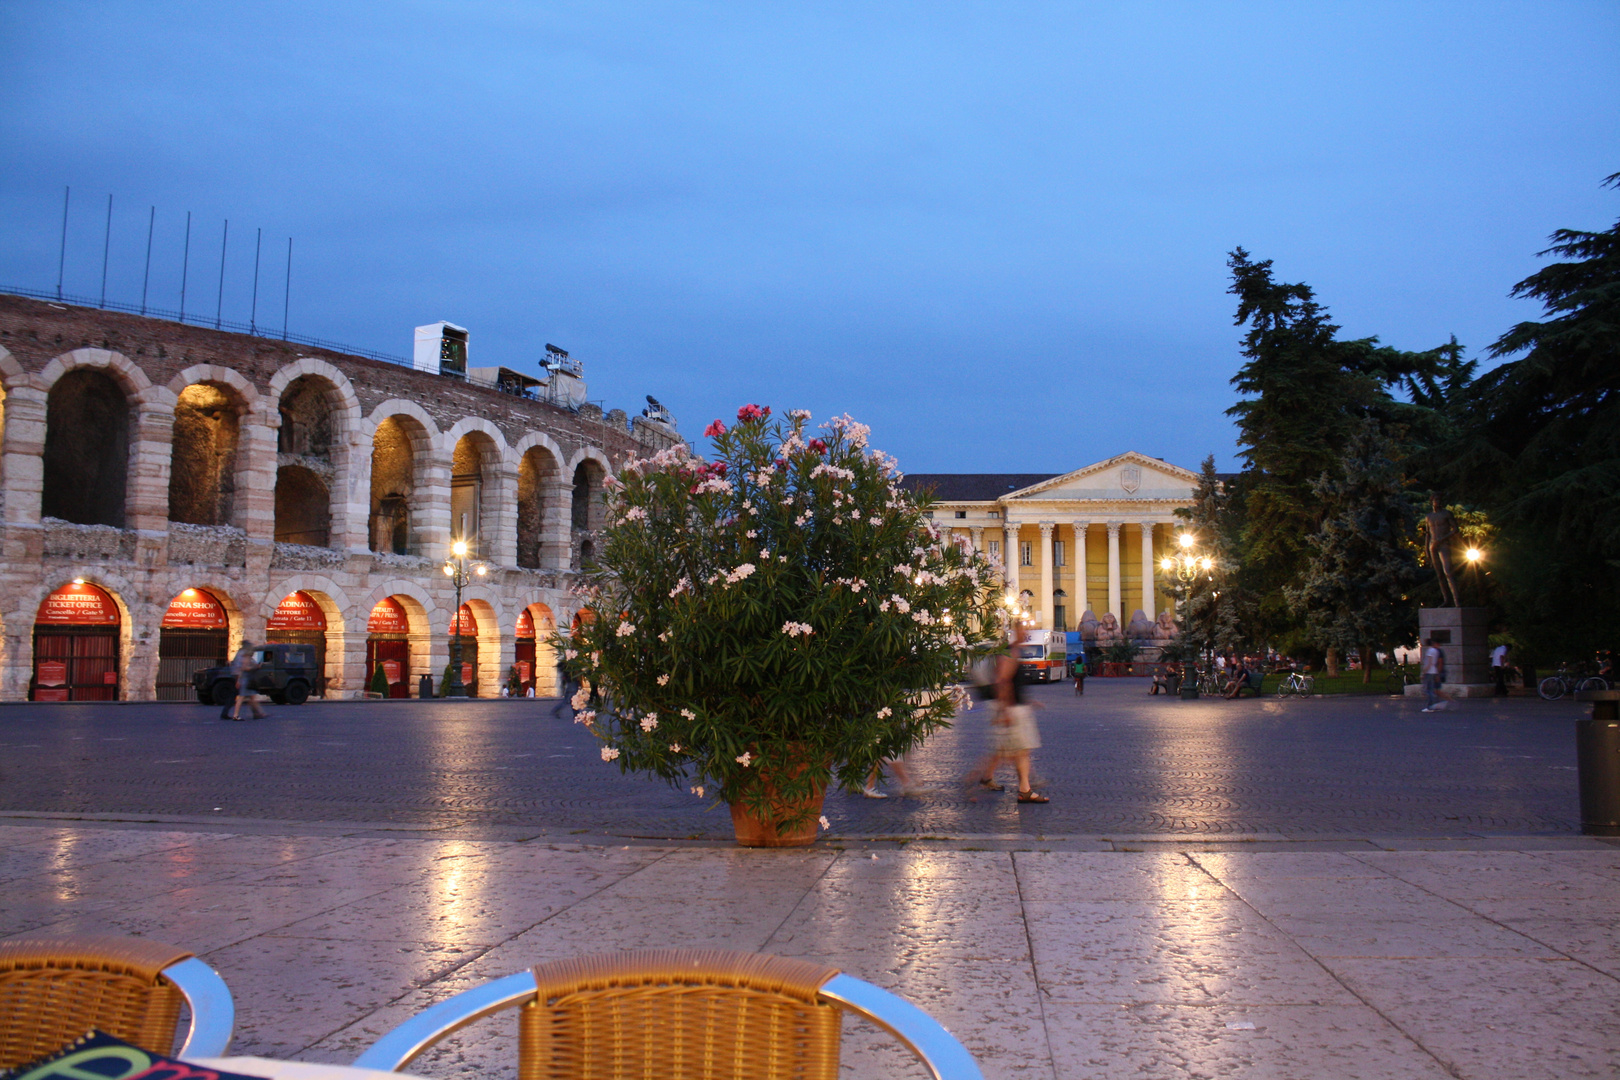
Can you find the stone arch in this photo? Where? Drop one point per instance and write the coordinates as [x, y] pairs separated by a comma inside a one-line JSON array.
[[421, 611], [493, 658], [247, 394], [545, 679], [136, 672], [89, 429], [341, 668], [206, 466], [540, 488], [589, 471], [477, 455], [401, 459], [120, 368], [319, 417], [348, 404]]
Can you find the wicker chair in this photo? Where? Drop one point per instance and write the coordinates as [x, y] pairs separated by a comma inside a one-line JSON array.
[[679, 1014], [54, 990]]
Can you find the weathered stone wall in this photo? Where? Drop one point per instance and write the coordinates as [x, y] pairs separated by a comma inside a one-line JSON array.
[[243, 441]]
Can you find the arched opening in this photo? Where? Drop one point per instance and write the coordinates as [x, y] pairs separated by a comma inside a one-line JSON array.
[[586, 511], [202, 462], [533, 655], [303, 507], [1060, 610], [394, 482], [86, 449], [464, 631], [471, 474], [194, 635], [388, 648], [304, 468], [76, 643], [537, 472], [300, 620]]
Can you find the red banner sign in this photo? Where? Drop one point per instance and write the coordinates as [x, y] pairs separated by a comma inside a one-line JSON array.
[[298, 611], [391, 670], [525, 672], [52, 673], [388, 617], [466, 674], [525, 624], [465, 620], [195, 609], [79, 604]]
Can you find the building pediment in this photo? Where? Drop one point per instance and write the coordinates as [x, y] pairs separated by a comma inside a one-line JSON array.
[[1129, 476]]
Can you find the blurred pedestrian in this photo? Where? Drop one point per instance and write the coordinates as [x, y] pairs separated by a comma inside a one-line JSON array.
[[1499, 668], [242, 667], [1013, 734]]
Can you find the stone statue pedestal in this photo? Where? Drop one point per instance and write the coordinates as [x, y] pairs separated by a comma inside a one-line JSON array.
[[1463, 636]]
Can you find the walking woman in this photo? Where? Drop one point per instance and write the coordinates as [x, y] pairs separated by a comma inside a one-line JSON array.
[[1012, 727]]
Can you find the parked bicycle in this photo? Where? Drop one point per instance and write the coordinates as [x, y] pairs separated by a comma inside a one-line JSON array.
[[1295, 684], [1209, 683], [1564, 681], [1400, 677]]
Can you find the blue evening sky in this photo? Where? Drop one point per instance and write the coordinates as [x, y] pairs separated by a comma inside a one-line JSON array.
[[994, 231]]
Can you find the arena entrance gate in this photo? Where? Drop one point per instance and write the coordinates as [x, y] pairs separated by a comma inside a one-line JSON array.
[[76, 646], [194, 635], [388, 644], [467, 624], [299, 620]]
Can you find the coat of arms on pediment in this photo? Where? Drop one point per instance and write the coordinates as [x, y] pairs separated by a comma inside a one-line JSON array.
[[1130, 478]]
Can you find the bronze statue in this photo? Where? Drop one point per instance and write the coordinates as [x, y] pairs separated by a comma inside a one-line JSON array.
[[1442, 527]]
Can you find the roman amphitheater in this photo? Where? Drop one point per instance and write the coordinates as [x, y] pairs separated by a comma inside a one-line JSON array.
[[171, 491]]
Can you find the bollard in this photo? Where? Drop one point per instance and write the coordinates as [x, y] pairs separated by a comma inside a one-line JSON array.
[[1597, 761], [424, 689]]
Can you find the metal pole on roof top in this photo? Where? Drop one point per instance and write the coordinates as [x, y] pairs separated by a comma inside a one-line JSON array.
[[61, 256], [253, 319], [286, 297], [106, 246], [185, 265], [146, 279], [219, 303]]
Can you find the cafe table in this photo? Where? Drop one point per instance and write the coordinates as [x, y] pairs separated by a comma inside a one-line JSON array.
[[293, 1070]]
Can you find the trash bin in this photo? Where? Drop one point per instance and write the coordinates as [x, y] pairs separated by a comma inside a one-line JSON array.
[[424, 689], [1597, 761]]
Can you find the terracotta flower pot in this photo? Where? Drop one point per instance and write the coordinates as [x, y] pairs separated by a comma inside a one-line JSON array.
[[787, 822]]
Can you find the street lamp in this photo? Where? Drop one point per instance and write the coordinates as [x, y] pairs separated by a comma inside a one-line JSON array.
[[1187, 565], [455, 568]]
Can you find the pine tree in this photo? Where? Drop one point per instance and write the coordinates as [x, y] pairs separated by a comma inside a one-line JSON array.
[[1356, 590]]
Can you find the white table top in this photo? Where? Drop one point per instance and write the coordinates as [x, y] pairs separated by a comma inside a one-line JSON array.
[[294, 1070]]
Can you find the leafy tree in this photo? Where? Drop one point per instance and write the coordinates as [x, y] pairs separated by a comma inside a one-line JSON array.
[[1356, 591], [1217, 610], [1306, 394], [1540, 446]]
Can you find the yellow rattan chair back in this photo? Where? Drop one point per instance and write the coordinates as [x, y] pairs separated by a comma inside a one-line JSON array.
[[679, 1014], [53, 990]]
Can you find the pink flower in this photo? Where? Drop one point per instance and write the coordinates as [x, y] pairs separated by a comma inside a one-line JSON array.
[[715, 428], [816, 446], [752, 412]]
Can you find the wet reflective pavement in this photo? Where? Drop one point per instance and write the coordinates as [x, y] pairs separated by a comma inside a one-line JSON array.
[[1117, 764]]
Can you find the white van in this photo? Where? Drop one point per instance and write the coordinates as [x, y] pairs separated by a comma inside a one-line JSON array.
[[1044, 656]]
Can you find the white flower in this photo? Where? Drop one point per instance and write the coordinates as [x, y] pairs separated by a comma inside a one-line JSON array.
[[798, 414], [663, 680], [680, 587], [754, 510], [674, 747], [609, 753], [626, 628], [596, 659], [714, 483], [901, 604], [586, 717], [570, 654], [765, 553], [738, 574], [745, 759], [664, 636], [582, 695], [649, 722], [885, 711], [751, 533], [636, 513], [802, 518], [697, 789], [797, 629], [825, 824], [856, 514], [689, 714]]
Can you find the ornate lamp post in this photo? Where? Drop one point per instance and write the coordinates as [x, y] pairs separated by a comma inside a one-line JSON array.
[[455, 568], [1187, 565]]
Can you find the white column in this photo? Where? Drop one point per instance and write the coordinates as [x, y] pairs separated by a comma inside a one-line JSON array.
[[1115, 600], [978, 537], [1147, 571], [1082, 598], [1009, 556], [1043, 603]]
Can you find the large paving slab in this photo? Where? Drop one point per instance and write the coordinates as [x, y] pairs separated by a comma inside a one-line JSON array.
[[1046, 961]]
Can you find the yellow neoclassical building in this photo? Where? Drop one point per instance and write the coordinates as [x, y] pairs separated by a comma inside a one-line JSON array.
[[1084, 540]]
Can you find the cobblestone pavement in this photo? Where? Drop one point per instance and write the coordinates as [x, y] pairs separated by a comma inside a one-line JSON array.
[[1116, 763], [1064, 964]]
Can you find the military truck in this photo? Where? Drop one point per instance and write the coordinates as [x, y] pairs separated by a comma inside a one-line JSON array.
[[286, 675]]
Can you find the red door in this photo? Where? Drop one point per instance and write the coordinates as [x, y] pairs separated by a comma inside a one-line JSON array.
[[395, 656]]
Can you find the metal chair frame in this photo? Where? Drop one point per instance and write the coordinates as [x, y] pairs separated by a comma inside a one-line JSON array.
[[208, 1000], [940, 1053]]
